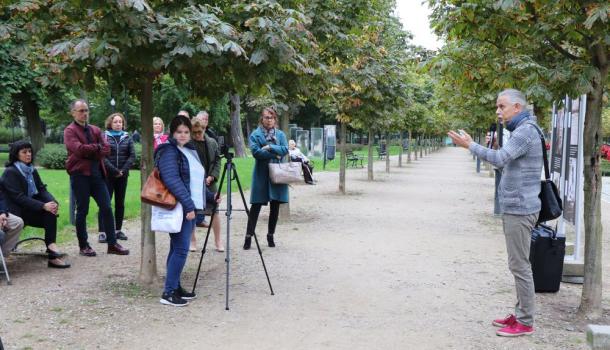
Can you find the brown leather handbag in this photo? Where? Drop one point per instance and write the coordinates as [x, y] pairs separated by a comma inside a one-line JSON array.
[[154, 192]]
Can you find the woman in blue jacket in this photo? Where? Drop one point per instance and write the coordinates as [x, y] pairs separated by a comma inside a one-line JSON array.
[[267, 144], [183, 175]]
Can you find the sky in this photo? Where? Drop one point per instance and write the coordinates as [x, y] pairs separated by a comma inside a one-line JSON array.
[[414, 17]]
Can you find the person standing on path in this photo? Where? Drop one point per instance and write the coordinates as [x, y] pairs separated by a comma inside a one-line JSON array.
[[182, 173], [87, 149], [209, 154], [121, 158], [267, 144], [521, 162]]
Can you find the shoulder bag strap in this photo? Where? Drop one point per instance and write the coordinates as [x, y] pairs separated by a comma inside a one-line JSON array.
[[547, 174]]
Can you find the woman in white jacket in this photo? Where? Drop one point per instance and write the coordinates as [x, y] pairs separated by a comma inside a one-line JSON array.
[[297, 156]]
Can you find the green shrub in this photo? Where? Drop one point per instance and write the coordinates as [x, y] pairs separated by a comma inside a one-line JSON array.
[[6, 135], [52, 156]]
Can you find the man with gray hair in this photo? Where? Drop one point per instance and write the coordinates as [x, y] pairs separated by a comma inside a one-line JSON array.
[[520, 159]]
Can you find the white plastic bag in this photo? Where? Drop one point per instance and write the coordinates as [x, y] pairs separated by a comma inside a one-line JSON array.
[[166, 220]]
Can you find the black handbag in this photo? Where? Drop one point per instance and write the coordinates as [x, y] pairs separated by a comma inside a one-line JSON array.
[[546, 256], [550, 200]]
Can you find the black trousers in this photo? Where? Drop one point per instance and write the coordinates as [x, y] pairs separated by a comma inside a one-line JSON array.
[[118, 187], [255, 210], [84, 187], [42, 219], [307, 169]]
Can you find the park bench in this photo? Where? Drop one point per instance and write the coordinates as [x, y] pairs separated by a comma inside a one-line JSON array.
[[381, 153], [353, 159]]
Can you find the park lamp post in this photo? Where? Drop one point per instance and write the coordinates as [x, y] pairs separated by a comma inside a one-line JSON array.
[[112, 103]]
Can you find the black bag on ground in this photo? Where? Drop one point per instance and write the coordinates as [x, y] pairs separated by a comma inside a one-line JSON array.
[[550, 200], [546, 256]]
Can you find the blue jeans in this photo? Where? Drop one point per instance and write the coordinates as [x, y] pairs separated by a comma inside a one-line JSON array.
[[84, 187], [178, 251]]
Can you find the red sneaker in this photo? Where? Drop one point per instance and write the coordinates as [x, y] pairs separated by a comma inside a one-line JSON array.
[[515, 330], [504, 322]]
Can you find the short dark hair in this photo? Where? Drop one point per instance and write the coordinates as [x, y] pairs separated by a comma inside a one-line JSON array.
[[177, 121], [14, 148]]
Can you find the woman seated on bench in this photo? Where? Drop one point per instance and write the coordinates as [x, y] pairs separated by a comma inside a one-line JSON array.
[[27, 197], [297, 156]]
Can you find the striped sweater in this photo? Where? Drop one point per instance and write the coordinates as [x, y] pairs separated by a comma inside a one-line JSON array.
[[521, 162]]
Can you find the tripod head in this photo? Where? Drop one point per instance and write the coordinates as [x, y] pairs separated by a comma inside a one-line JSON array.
[[228, 156], [224, 149]]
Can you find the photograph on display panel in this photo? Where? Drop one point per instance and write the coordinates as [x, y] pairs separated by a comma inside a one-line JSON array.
[[571, 175], [556, 163]]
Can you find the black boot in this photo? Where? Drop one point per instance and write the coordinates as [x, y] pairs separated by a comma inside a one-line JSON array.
[[270, 241], [247, 242]]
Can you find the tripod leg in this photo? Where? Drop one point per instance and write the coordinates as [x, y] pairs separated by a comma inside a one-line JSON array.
[[207, 236], [260, 253]]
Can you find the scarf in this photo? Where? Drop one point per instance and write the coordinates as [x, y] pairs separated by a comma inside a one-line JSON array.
[[512, 124], [115, 133], [269, 135], [27, 170], [158, 138]]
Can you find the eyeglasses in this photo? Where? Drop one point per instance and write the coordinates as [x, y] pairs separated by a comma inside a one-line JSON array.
[[81, 110], [268, 117]]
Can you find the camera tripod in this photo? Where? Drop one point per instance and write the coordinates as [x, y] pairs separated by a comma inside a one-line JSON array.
[[229, 168]]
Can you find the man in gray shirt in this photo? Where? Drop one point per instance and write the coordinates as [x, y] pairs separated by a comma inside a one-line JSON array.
[[521, 162]]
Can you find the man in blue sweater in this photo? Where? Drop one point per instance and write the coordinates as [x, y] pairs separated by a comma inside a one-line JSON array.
[[521, 162]]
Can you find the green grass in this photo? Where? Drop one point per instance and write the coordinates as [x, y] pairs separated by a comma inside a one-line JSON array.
[[605, 167]]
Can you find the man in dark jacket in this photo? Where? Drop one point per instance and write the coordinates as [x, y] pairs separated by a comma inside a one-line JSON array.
[[87, 149]]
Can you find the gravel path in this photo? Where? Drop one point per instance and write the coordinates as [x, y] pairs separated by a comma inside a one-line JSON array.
[[412, 260]]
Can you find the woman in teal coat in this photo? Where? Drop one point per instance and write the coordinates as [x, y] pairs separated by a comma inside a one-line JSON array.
[[267, 144]]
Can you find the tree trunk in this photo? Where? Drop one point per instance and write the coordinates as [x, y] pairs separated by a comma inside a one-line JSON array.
[[285, 207], [591, 298], [237, 136], [427, 146], [400, 150], [33, 121], [416, 147], [387, 153], [342, 159], [421, 146], [410, 148], [148, 258], [369, 166]]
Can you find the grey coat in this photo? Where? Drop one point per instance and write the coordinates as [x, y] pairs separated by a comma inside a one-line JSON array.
[[521, 162]]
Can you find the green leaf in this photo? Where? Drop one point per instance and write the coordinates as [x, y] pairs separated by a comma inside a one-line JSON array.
[[258, 57]]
